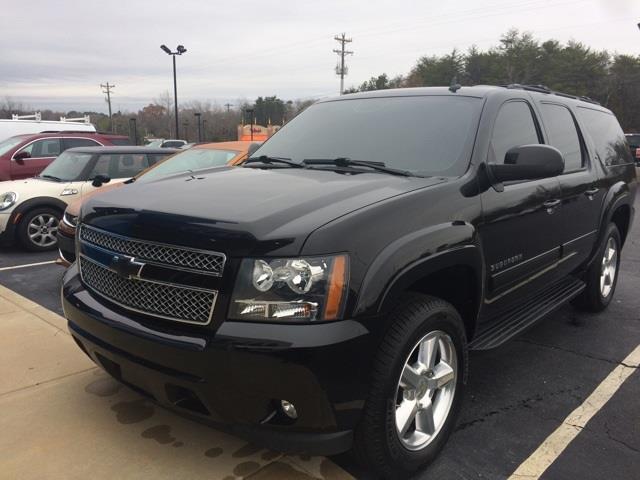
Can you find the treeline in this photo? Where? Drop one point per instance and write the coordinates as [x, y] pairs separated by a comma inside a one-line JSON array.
[[217, 122], [611, 79]]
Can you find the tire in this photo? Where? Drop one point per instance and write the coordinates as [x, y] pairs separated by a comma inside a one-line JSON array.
[[595, 297], [38, 228], [379, 444]]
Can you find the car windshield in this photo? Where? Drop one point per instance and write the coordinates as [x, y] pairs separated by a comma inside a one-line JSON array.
[[67, 167], [9, 143], [192, 160], [634, 140], [425, 135], [154, 143]]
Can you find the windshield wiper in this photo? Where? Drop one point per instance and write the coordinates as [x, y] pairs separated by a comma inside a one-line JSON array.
[[347, 162], [51, 177], [271, 160]]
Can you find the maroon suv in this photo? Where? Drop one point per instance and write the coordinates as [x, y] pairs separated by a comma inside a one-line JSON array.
[[25, 156]]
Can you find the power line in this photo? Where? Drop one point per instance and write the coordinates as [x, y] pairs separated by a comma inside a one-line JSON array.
[[341, 68], [228, 105], [107, 90]]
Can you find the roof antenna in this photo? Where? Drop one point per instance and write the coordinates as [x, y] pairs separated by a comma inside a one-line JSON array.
[[454, 86]]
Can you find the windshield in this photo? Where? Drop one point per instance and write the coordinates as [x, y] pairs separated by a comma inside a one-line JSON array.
[[154, 143], [9, 143], [426, 135], [67, 167], [190, 160]]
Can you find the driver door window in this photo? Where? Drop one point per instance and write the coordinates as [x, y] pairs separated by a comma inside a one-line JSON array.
[[45, 148], [514, 127]]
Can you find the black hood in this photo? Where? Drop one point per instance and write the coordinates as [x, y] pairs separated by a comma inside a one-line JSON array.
[[241, 211]]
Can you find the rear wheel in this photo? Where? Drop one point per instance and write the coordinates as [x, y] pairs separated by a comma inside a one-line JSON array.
[[38, 229], [602, 276], [417, 385]]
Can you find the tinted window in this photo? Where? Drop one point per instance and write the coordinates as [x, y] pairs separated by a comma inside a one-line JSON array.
[[563, 135], [48, 147], [80, 142], [429, 134], [173, 144], [67, 167], [190, 160], [606, 134], [119, 165], [514, 127]]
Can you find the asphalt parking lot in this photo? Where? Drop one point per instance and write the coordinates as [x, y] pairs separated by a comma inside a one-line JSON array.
[[517, 395]]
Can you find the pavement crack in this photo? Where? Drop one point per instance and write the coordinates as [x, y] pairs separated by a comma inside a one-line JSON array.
[[528, 403], [617, 440], [45, 382], [574, 352]]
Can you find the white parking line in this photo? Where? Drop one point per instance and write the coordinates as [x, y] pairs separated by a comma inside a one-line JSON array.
[[27, 265], [534, 466]]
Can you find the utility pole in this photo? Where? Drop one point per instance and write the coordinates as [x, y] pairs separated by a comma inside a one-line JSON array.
[[198, 115], [228, 105], [341, 68], [107, 90]]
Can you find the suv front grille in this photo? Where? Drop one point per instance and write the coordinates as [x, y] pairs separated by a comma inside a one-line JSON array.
[[169, 301], [182, 258]]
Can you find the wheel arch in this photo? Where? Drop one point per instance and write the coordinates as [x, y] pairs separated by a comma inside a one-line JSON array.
[[28, 205], [454, 275]]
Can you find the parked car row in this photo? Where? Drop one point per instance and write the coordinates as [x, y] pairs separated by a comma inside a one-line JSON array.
[[31, 210]]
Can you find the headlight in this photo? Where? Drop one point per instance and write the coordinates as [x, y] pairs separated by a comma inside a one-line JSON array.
[[8, 200], [290, 289]]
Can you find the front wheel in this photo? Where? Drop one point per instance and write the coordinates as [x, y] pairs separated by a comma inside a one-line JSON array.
[[38, 229], [417, 387], [602, 276]]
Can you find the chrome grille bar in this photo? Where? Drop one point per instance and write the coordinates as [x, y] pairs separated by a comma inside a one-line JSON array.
[[181, 258], [164, 300]]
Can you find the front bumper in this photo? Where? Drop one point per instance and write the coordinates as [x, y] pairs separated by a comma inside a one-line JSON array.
[[6, 228], [235, 377], [66, 248]]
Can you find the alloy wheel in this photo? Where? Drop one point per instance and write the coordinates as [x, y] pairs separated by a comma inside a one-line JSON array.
[[426, 390], [42, 230], [609, 267]]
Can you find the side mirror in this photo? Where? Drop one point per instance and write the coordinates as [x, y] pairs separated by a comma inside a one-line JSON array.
[[20, 156], [98, 180], [252, 148], [528, 162]]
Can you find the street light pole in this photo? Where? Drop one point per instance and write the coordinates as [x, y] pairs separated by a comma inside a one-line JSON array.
[[198, 115], [179, 51], [250, 112]]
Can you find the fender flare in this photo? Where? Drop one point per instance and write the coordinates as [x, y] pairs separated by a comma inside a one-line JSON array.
[[379, 289], [618, 195]]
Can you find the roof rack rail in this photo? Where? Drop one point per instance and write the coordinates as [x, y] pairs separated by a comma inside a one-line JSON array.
[[37, 116], [547, 90]]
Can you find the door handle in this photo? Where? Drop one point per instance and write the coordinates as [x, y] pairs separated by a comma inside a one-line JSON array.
[[551, 205], [590, 193]]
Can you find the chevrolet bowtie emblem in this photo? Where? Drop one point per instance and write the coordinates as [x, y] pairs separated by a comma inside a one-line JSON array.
[[125, 266]]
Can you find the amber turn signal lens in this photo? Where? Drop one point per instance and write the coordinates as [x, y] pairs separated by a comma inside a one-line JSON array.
[[337, 287]]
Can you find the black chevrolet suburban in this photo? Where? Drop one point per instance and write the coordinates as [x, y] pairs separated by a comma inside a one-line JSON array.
[[325, 295]]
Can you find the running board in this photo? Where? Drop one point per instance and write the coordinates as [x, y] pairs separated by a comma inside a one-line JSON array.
[[518, 319]]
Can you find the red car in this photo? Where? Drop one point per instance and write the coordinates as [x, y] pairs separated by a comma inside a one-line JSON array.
[[25, 156]]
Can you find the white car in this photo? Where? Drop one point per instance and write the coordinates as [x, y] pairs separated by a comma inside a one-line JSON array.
[[30, 210]]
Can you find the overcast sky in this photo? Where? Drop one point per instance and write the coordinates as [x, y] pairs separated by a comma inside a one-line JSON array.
[[55, 54]]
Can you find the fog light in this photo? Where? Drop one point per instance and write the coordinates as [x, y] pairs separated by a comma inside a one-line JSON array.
[[289, 409]]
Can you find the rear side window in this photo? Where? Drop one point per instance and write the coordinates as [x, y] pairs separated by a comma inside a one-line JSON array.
[[514, 127], [79, 142], [563, 135], [119, 165], [608, 138]]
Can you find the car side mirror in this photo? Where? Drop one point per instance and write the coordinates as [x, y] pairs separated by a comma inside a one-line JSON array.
[[98, 180], [20, 156], [528, 162], [252, 148]]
